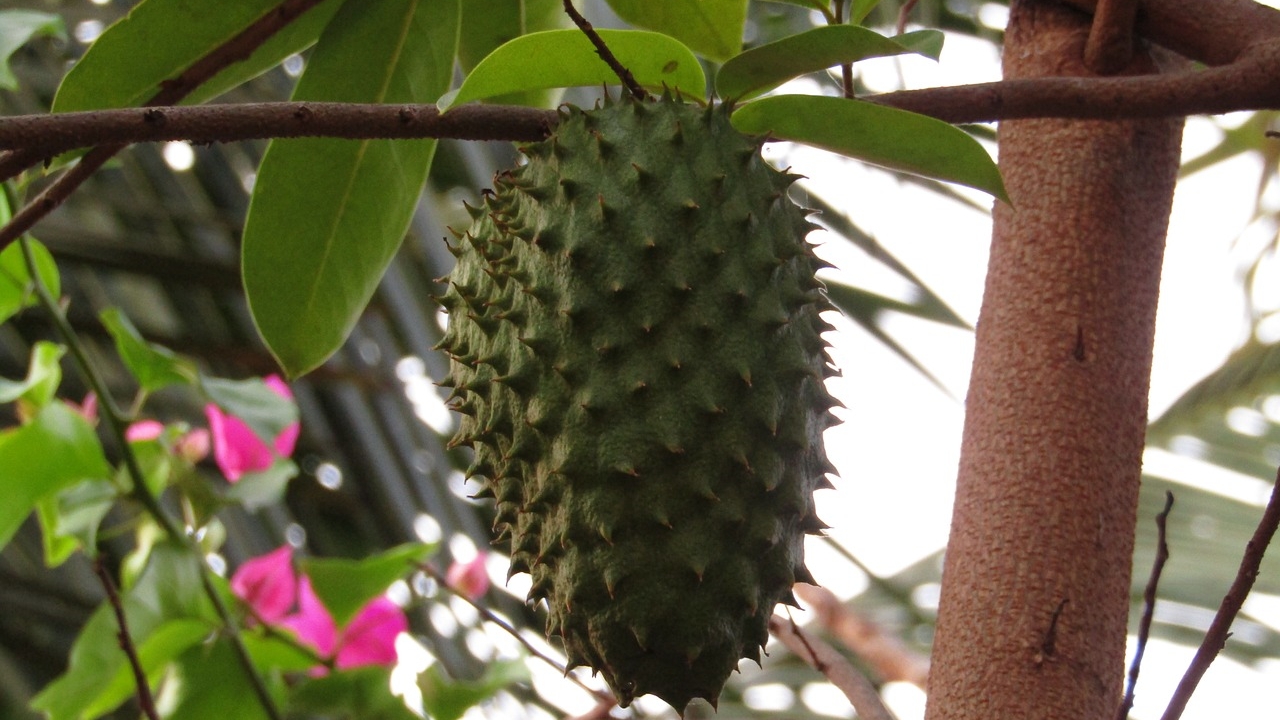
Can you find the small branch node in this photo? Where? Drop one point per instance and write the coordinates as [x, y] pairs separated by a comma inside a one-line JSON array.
[[628, 80]]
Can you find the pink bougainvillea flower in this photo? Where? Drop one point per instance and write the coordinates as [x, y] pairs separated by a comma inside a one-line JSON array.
[[144, 430], [237, 449], [87, 408], [194, 446], [369, 639], [471, 579], [268, 584]]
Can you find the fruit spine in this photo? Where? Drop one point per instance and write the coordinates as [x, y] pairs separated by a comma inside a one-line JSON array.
[[636, 353]]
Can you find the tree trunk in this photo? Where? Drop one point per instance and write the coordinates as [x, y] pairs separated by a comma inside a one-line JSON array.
[[1036, 583]]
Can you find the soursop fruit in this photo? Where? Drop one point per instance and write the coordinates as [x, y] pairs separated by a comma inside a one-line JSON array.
[[636, 353]]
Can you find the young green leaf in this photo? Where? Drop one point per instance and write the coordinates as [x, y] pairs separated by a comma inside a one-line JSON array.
[[860, 9], [711, 27], [486, 25], [17, 28], [169, 640], [264, 410], [363, 692], [209, 683], [566, 58], [154, 366], [328, 215], [884, 136], [774, 63], [444, 698], [344, 586], [43, 376], [16, 289], [821, 6], [55, 450], [176, 33], [69, 520]]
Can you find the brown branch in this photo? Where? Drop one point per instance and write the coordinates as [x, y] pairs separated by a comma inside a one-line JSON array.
[[145, 701], [823, 658], [628, 80], [1110, 45], [1214, 33], [888, 657], [171, 91], [1220, 628], [1148, 606]]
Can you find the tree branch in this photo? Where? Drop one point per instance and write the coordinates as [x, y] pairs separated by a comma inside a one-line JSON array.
[[862, 695], [1148, 606], [1220, 628], [143, 688]]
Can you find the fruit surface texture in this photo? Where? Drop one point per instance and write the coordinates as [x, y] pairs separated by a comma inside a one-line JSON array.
[[637, 357]]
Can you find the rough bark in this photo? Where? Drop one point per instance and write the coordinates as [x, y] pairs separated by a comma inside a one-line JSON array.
[[1036, 581]]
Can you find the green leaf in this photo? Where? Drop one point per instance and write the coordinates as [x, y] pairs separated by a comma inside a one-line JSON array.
[[344, 586], [168, 589], [17, 28], [486, 25], [817, 49], [884, 136], [43, 376], [208, 683], [153, 365], [16, 289], [711, 27], [254, 402], [69, 520], [328, 215], [257, 490], [446, 699], [821, 6], [269, 651], [566, 58], [860, 9], [169, 640], [363, 693], [55, 450], [177, 33]]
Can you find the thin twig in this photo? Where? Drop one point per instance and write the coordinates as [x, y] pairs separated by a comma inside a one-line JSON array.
[[145, 701], [904, 14], [1148, 606], [1220, 628], [823, 658], [885, 654], [489, 615], [628, 80], [846, 69], [171, 91], [116, 425]]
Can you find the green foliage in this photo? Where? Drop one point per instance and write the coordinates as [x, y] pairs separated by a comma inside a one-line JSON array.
[[770, 65], [566, 58], [69, 520], [486, 25], [328, 215], [17, 28], [711, 27], [16, 289], [43, 377], [177, 33], [55, 450], [444, 698], [358, 694], [210, 685], [884, 136], [253, 401], [153, 366], [344, 586]]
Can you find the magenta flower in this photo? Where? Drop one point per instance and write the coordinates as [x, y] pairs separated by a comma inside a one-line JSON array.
[[269, 585], [144, 430], [237, 449], [470, 579]]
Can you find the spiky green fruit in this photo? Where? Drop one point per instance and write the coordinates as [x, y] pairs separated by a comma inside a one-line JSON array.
[[635, 340]]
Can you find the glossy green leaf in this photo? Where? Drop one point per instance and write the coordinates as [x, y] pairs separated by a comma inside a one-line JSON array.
[[16, 289], [344, 586], [69, 520], [154, 366], [711, 27], [168, 589], [169, 640], [254, 402], [44, 374], [55, 450], [884, 136], [821, 6], [209, 683], [486, 25], [446, 699], [263, 488], [363, 693], [269, 651], [17, 28], [177, 33], [328, 215], [566, 58], [860, 9], [774, 63]]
